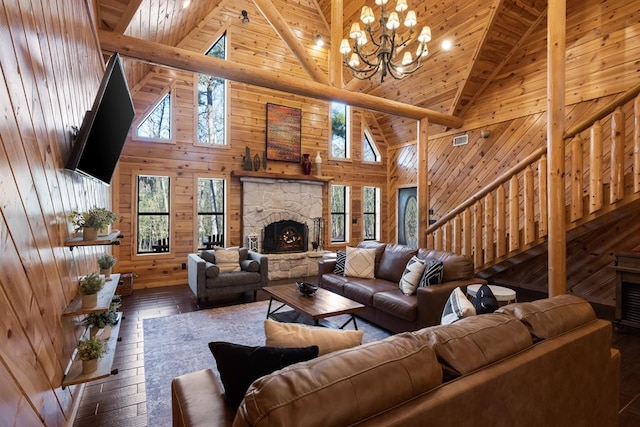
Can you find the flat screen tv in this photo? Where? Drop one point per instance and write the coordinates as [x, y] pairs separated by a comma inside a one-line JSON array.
[[103, 132]]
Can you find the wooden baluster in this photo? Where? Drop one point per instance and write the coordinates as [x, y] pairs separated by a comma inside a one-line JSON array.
[[501, 222], [617, 155], [595, 167], [636, 145], [438, 239], [466, 230], [447, 236], [430, 240], [529, 219], [514, 213], [457, 234], [489, 213], [542, 196], [477, 234], [577, 167]]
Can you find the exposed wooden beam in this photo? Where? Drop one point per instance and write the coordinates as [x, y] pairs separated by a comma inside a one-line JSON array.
[[158, 53], [280, 25], [127, 16], [335, 57]]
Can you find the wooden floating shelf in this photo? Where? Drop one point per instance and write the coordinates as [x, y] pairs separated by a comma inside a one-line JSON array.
[[110, 239], [105, 363], [270, 175], [104, 299]]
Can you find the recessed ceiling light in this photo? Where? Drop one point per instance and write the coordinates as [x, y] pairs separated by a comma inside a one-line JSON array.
[[446, 44], [319, 41]]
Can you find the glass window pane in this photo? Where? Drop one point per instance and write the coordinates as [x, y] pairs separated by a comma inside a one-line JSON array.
[[153, 214], [211, 215], [337, 228], [152, 230], [153, 194], [338, 130], [157, 124], [212, 101]]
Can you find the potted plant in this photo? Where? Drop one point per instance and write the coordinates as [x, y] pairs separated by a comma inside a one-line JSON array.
[[89, 287], [104, 321], [92, 221], [106, 262], [89, 351]]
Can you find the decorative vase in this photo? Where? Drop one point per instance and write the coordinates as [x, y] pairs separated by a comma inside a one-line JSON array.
[[105, 231], [248, 163], [89, 233], [89, 301], [89, 366], [107, 273], [256, 163], [93, 330], [264, 160], [306, 164], [318, 165], [106, 332]]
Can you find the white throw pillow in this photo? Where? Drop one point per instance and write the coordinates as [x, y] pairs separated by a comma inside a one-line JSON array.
[[457, 307], [411, 276], [279, 334], [228, 260], [360, 263]]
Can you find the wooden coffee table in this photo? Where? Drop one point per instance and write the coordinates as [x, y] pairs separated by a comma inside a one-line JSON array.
[[315, 308]]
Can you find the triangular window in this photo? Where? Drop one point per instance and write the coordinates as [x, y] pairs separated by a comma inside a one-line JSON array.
[[157, 124], [370, 152], [212, 99]]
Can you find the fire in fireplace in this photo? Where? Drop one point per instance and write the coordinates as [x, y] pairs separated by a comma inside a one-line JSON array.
[[285, 236]]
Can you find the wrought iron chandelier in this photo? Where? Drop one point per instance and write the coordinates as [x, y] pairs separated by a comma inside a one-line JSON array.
[[373, 53]]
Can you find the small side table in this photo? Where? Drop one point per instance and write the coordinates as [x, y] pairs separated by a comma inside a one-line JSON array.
[[502, 294]]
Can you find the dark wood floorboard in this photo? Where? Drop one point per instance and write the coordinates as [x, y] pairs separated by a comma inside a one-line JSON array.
[[120, 400]]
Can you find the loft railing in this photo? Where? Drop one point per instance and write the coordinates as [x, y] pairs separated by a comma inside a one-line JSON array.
[[509, 216]]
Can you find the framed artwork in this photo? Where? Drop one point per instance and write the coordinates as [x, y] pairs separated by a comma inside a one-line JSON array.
[[284, 133], [408, 216]]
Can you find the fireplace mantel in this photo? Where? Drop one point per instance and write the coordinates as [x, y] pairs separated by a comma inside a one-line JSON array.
[[271, 175]]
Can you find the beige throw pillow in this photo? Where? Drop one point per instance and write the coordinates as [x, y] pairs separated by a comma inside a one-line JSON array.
[[360, 263], [411, 275], [279, 334], [228, 260]]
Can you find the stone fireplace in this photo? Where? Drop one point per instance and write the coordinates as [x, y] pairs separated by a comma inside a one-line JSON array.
[[267, 202]]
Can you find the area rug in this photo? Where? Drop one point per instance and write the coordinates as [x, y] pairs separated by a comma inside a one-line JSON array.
[[178, 344]]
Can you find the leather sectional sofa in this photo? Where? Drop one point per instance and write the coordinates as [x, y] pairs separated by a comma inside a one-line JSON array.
[[546, 363], [385, 303]]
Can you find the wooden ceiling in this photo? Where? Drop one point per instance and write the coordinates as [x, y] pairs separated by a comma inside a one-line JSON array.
[[486, 35]]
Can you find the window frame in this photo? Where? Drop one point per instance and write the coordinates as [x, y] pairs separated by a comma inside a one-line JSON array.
[[134, 128], [196, 237], [348, 112], [135, 219], [375, 213], [227, 98], [346, 213]]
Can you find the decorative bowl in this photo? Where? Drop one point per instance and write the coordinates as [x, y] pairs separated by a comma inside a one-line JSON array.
[[307, 289]]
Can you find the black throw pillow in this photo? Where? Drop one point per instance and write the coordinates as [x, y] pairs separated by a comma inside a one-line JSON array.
[[485, 301], [341, 260], [240, 365]]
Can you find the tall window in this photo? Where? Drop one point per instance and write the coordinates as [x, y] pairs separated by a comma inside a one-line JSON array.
[[153, 213], [211, 208], [339, 213], [212, 101], [157, 124], [371, 213], [370, 151], [339, 130]]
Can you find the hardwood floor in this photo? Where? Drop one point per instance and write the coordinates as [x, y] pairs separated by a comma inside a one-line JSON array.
[[120, 400]]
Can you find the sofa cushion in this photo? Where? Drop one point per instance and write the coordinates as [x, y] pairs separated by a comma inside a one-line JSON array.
[[457, 307], [550, 317], [397, 304], [243, 253], [250, 265], [341, 259], [393, 260], [240, 365], [360, 263], [433, 272], [278, 334], [456, 267], [344, 386], [235, 278], [333, 282], [209, 256], [377, 246], [228, 260], [411, 275], [474, 342], [485, 301], [363, 290]]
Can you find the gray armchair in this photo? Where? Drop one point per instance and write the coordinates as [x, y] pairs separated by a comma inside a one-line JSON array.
[[206, 280]]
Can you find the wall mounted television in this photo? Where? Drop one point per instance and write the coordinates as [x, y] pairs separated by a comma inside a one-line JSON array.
[[101, 137]]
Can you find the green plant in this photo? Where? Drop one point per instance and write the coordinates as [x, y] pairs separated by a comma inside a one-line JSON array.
[[90, 284], [100, 320], [91, 348], [107, 261], [98, 218]]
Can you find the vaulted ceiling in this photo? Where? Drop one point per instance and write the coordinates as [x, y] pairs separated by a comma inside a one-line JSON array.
[[486, 35]]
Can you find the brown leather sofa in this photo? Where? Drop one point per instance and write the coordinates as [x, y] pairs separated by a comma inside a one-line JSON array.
[[546, 363], [385, 304]]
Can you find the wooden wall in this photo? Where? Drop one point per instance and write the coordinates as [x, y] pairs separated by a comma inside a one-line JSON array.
[[185, 161], [50, 68]]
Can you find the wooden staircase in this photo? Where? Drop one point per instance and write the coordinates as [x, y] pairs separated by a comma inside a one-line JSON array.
[[505, 223]]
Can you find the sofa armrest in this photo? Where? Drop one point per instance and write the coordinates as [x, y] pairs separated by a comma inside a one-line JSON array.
[[264, 266], [196, 268], [198, 400], [432, 299], [325, 266]]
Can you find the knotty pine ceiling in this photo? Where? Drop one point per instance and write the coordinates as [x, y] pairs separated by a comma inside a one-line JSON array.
[[486, 35]]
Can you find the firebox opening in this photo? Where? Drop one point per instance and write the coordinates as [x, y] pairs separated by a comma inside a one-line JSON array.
[[285, 236]]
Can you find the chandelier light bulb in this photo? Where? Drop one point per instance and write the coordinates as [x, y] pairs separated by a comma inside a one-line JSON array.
[[401, 6], [393, 23], [425, 35], [406, 59], [354, 61], [355, 31], [362, 40], [411, 20], [381, 2], [422, 50], [344, 47], [366, 16]]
